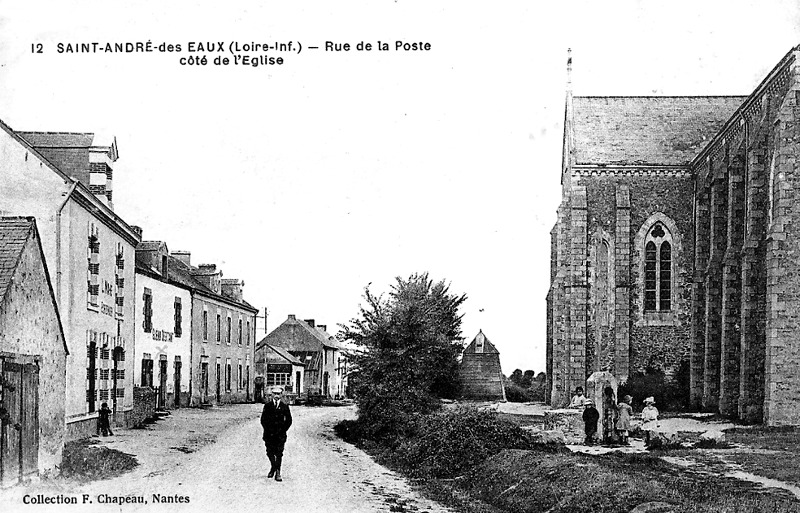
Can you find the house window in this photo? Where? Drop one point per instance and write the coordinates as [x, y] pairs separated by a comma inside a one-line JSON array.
[[658, 270], [278, 379], [228, 332], [119, 278], [228, 377], [219, 328], [178, 319], [248, 333], [93, 271], [240, 332], [240, 376], [148, 310], [205, 324]]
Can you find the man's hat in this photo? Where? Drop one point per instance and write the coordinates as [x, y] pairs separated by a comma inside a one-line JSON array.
[[277, 390], [588, 402], [650, 400]]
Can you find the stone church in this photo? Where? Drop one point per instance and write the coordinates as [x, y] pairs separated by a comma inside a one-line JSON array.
[[678, 242]]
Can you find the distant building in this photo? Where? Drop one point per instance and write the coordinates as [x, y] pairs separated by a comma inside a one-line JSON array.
[[64, 181], [163, 333], [33, 356], [221, 328], [278, 368], [480, 371], [312, 345]]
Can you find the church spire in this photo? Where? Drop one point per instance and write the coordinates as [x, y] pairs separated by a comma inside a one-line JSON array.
[[569, 130]]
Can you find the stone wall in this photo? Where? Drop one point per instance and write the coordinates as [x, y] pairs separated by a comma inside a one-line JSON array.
[[144, 405]]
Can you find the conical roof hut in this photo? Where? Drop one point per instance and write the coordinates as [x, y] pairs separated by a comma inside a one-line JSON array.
[[481, 375]]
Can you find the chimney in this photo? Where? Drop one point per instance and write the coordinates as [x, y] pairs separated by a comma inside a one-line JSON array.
[[208, 275], [183, 256], [292, 317], [310, 322], [232, 288], [323, 327]]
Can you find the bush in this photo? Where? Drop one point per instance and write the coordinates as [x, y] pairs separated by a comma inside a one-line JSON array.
[[448, 443], [671, 394], [517, 394], [84, 461]]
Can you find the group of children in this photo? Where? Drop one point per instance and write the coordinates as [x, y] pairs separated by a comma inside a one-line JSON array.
[[616, 417]]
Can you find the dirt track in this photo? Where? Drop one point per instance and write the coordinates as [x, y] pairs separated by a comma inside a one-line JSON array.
[[216, 459]]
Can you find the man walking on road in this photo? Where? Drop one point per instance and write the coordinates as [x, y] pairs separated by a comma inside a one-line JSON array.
[[275, 419]]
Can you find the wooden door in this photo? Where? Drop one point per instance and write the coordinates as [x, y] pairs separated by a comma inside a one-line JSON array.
[[19, 430], [177, 386], [204, 382]]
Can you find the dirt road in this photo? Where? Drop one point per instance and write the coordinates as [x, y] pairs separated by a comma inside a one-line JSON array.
[[215, 459]]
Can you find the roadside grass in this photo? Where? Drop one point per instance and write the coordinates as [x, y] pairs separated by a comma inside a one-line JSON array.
[[775, 451], [83, 460], [532, 478], [530, 481]]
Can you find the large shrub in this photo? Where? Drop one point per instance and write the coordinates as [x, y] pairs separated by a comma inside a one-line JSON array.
[[409, 344], [448, 443]]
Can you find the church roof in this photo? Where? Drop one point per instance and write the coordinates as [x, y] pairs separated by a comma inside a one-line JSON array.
[[661, 130]]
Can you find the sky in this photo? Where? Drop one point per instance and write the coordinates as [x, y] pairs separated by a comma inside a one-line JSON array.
[[339, 170]]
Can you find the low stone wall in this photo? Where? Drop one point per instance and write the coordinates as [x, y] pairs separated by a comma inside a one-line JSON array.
[[569, 422], [144, 405]]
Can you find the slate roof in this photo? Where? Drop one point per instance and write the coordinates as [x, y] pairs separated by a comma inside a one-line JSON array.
[[58, 139], [296, 335], [661, 130], [284, 354], [149, 245], [14, 233], [488, 347]]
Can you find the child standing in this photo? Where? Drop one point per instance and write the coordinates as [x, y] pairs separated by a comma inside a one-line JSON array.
[[624, 410], [103, 422], [649, 417], [590, 418]]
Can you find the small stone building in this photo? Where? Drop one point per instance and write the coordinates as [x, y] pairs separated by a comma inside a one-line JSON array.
[[275, 366], [33, 357], [481, 375], [310, 343]]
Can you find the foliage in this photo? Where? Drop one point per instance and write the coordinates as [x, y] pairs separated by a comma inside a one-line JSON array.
[[526, 387], [409, 344], [517, 394], [84, 461], [671, 394], [451, 442]]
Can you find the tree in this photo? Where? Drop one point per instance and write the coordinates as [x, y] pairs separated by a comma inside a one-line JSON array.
[[527, 379], [516, 377], [409, 344]]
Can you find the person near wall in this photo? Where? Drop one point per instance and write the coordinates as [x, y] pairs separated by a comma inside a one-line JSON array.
[[276, 420], [578, 400], [103, 420], [609, 416], [590, 418], [624, 412]]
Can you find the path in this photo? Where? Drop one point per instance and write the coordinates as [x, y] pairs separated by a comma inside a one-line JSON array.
[[321, 473]]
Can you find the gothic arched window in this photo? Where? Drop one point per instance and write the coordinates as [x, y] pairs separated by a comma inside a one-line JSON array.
[[658, 269]]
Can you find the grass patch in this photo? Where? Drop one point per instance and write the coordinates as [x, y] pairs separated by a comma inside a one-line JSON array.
[[85, 461], [531, 481]]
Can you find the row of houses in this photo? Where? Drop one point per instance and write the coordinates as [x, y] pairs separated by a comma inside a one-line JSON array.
[[91, 313]]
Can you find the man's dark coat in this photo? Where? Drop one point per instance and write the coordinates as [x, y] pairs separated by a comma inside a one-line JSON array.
[[275, 421]]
